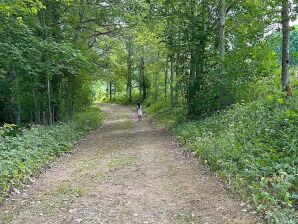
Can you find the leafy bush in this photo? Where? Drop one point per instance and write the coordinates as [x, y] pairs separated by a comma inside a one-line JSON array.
[[124, 100], [164, 114], [10, 130], [254, 147], [22, 156]]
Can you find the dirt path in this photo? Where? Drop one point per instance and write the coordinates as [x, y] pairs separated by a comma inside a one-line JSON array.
[[126, 172]]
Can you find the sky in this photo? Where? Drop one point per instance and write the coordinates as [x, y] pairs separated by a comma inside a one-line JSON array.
[[294, 22]]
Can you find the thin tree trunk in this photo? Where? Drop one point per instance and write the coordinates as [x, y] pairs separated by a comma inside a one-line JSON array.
[[60, 99], [49, 100], [129, 86], [201, 53], [111, 89], [44, 120], [192, 51], [37, 115], [285, 75], [108, 88], [18, 114], [129, 70], [53, 113], [143, 78], [16, 98], [177, 70], [156, 88], [166, 81], [192, 67], [172, 82], [10, 115], [222, 24], [115, 90], [144, 91]]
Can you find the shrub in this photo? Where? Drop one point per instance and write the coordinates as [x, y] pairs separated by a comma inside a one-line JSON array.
[[24, 155], [254, 148], [10, 130]]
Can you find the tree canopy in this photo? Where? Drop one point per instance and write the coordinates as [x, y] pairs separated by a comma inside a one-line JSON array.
[[202, 55], [188, 58]]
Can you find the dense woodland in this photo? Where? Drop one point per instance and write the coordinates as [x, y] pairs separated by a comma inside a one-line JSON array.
[[48, 62], [204, 64], [204, 56]]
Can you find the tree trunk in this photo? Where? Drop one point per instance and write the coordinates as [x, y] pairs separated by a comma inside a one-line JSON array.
[[115, 90], [192, 67], [44, 120], [111, 89], [144, 91], [156, 90], [129, 70], [143, 78], [140, 88], [18, 114], [285, 75], [108, 88], [193, 60], [37, 114], [222, 24], [129, 86], [60, 99], [16, 97], [50, 118], [172, 82], [166, 81]]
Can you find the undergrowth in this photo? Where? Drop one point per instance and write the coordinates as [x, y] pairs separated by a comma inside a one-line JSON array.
[[124, 100], [24, 152], [253, 147]]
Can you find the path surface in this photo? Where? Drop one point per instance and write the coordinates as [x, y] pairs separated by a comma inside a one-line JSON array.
[[126, 172]]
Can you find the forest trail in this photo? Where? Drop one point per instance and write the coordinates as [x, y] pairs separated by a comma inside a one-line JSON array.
[[125, 172]]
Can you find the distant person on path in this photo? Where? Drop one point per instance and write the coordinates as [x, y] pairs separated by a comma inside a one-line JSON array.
[[139, 112]]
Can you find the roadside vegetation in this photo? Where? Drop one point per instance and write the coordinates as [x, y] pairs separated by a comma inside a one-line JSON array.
[[48, 74], [25, 151], [252, 147]]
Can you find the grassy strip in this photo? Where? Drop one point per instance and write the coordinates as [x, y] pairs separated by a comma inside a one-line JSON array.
[[253, 147], [24, 155]]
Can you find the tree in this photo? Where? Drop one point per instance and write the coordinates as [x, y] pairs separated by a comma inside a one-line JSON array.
[[129, 48], [57, 83], [285, 75], [222, 24]]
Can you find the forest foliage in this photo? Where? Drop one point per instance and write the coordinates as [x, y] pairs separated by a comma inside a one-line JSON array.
[[25, 151], [252, 147], [222, 73], [47, 63]]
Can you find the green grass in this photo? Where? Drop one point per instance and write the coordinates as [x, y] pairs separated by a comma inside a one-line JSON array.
[[67, 190], [120, 162], [253, 147], [26, 153]]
